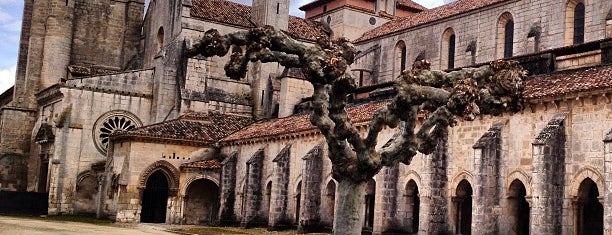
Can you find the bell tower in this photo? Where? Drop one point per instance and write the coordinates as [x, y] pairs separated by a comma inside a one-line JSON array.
[[271, 12], [274, 13]]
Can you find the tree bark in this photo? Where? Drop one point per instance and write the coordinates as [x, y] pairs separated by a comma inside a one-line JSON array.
[[350, 212]]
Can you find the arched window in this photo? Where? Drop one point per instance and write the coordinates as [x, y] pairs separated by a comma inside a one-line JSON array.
[[160, 38], [574, 22], [579, 24], [448, 49], [400, 58], [505, 36]]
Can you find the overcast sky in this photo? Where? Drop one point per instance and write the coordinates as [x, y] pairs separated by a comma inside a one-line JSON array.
[[10, 26]]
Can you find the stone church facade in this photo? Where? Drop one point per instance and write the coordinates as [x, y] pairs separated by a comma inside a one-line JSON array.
[[111, 115]]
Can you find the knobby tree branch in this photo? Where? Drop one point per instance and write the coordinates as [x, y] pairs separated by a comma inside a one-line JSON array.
[[442, 97]]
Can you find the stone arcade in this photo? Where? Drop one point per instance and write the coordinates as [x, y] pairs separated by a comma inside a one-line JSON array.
[[114, 119]]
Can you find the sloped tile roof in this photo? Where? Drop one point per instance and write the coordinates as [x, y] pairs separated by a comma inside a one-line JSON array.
[[299, 123], [426, 16], [236, 14], [569, 81], [410, 4], [203, 164], [222, 11], [193, 128]]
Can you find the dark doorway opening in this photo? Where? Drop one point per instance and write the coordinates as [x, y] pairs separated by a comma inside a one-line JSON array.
[[413, 202], [463, 208], [589, 211], [155, 199], [518, 208], [298, 200], [201, 202]]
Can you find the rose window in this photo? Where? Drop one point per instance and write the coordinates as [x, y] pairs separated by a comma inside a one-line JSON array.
[[110, 123]]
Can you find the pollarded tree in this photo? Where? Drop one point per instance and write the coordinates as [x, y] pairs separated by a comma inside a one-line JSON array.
[[443, 97]]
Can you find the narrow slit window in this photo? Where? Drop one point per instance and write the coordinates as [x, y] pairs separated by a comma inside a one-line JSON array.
[[278, 8], [508, 39], [403, 60], [451, 52]]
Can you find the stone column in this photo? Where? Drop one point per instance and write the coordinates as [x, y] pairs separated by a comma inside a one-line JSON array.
[[608, 184], [311, 190], [388, 203], [437, 214], [228, 189], [280, 184], [487, 154], [548, 178], [252, 194]]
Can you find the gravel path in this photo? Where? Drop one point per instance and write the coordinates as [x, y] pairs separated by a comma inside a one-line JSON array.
[[32, 226]]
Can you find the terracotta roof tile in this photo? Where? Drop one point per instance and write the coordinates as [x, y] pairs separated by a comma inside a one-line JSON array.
[[569, 81], [203, 164], [198, 128], [304, 29], [299, 123], [426, 16], [222, 11], [410, 4], [227, 12]]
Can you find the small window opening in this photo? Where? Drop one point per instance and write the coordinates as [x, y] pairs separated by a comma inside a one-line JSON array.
[[579, 23], [508, 39], [451, 52], [277, 8], [160, 38], [324, 8]]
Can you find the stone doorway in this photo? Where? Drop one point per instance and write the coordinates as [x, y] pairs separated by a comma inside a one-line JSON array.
[[413, 204], [518, 209], [329, 203], [588, 210], [370, 198], [155, 199], [463, 208], [298, 200], [201, 202], [267, 200]]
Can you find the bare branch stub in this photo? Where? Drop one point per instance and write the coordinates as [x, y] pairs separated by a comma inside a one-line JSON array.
[[491, 89]]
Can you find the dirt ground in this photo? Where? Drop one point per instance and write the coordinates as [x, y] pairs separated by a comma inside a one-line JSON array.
[[74, 225]]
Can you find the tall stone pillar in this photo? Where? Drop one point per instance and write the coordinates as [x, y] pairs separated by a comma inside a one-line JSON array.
[[487, 154], [252, 195], [280, 184], [437, 203], [388, 221], [608, 184], [311, 190], [548, 178], [228, 189]]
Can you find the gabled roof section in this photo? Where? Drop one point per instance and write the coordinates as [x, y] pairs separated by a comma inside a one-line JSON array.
[[191, 129], [236, 14], [426, 16]]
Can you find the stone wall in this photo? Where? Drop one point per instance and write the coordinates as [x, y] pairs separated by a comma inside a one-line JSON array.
[[481, 25], [293, 90]]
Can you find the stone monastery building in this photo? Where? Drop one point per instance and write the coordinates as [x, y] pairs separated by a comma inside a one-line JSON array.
[[109, 117]]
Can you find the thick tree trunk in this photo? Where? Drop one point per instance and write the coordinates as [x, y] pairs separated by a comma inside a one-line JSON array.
[[350, 207]]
